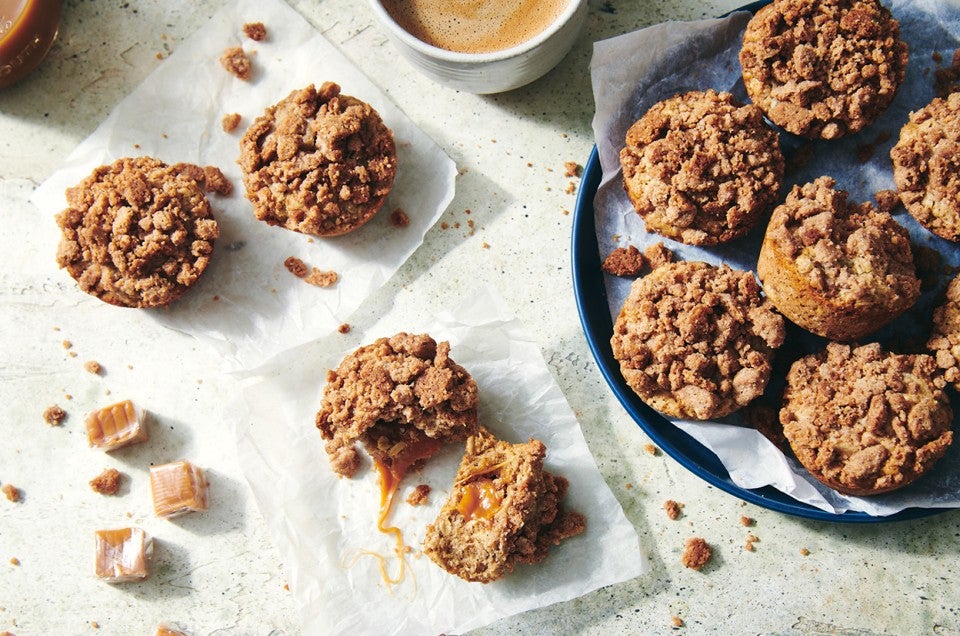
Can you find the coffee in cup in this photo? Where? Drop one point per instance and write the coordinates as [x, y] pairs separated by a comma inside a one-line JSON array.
[[475, 26]]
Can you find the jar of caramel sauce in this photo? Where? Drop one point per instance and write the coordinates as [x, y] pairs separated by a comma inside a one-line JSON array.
[[27, 31]]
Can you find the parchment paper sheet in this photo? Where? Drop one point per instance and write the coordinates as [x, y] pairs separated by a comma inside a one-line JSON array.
[[247, 305], [321, 522], [632, 72]]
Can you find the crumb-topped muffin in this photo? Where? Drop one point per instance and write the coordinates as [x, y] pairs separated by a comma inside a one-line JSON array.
[[701, 168], [137, 232], [836, 268], [926, 166], [504, 509], [823, 69], [696, 340], [864, 421], [398, 396], [318, 162], [944, 340]]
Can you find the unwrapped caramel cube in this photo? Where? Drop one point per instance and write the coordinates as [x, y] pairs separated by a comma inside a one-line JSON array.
[[116, 426], [123, 554], [178, 488]]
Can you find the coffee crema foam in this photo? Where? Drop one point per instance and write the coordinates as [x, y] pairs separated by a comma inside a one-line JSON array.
[[474, 26]]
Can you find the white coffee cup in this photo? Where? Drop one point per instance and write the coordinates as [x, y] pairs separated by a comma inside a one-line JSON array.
[[493, 72]]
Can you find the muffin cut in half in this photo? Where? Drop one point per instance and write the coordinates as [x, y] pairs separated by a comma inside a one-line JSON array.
[[504, 509]]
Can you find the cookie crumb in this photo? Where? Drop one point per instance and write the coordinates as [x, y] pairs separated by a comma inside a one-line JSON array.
[[886, 200], [746, 521], [67, 344], [751, 539], [676, 621], [399, 218], [92, 366], [804, 552], [485, 245], [571, 188], [658, 254], [319, 278], [673, 509], [215, 181], [651, 449], [237, 63], [54, 415], [344, 328], [572, 169], [696, 553], [947, 80], [107, 482], [256, 31], [14, 561], [624, 261], [296, 267], [419, 495], [12, 493], [230, 122], [95, 624]]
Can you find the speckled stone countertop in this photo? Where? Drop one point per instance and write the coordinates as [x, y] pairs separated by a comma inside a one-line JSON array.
[[219, 573]]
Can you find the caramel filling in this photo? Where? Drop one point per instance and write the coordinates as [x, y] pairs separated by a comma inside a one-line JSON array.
[[480, 499], [391, 472]]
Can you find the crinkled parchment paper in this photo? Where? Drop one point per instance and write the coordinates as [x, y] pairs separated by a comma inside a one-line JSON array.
[[247, 305], [323, 524], [634, 71]]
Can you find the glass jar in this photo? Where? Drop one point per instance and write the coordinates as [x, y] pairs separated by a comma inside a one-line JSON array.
[[27, 31]]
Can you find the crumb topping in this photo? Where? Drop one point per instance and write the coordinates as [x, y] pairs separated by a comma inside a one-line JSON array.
[[823, 69], [843, 249], [701, 168], [864, 421], [137, 233], [237, 62], [926, 166], [944, 341], [696, 340], [318, 162]]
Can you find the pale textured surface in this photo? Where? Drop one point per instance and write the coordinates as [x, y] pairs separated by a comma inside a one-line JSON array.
[[217, 571]]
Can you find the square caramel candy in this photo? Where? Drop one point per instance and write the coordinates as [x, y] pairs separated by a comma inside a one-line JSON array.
[[178, 488], [123, 554], [116, 426]]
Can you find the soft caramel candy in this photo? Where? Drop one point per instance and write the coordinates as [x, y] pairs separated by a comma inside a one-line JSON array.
[[116, 426], [178, 488], [123, 554]]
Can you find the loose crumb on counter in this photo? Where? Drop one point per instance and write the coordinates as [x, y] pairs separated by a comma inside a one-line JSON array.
[[804, 552], [676, 622], [92, 366], [674, 509], [107, 482], [746, 521], [696, 553], [67, 344], [572, 169], [748, 544], [12, 493], [344, 328], [54, 415], [14, 561], [651, 449]]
